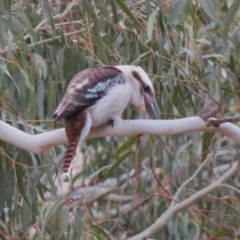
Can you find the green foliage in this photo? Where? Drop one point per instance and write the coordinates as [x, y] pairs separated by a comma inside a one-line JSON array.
[[190, 49]]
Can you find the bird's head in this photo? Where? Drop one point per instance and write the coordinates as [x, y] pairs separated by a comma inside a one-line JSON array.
[[143, 94]]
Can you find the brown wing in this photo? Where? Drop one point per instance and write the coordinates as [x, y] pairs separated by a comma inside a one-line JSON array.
[[86, 88]]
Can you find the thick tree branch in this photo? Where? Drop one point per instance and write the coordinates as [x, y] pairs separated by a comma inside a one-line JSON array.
[[44, 141]]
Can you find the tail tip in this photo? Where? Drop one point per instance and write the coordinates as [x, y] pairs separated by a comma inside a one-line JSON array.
[[65, 176]]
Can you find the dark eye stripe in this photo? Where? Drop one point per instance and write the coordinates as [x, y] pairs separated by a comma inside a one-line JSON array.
[[137, 76], [145, 87]]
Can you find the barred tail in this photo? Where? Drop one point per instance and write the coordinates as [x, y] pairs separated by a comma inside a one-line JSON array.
[[73, 129], [68, 158]]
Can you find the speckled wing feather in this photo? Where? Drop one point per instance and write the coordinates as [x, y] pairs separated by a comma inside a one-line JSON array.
[[86, 88]]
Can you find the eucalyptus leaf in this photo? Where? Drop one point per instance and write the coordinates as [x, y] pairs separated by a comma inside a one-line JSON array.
[[124, 7], [150, 25], [5, 70], [229, 18], [190, 49], [210, 11], [48, 14], [27, 82], [177, 10]]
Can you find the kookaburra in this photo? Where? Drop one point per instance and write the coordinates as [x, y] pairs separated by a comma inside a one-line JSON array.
[[97, 96]]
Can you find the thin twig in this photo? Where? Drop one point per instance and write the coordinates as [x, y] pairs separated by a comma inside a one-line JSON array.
[[45, 40], [60, 15], [170, 213], [176, 195], [217, 122], [209, 114]]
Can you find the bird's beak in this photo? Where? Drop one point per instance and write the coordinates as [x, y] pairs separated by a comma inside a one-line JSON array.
[[149, 105]]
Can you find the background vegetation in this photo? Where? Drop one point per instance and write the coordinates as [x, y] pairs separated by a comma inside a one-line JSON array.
[[190, 49]]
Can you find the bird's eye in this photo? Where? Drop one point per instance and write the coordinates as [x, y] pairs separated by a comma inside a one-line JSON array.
[[146, 88]]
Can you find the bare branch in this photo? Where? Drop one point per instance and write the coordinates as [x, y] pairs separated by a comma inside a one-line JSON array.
[[176, 195], [172, 211], [44, 141]]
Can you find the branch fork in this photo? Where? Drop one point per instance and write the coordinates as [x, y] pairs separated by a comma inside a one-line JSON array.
[[207, 117]]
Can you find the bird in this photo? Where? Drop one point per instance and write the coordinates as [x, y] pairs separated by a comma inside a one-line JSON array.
[[98, 96]]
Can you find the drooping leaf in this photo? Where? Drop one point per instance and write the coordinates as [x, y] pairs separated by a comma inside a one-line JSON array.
[[3, 187], [150, 25], [99, 43], [207, 143], [229, 18], [209, 10], [61, 223], [20, 178], [77, 224], [48, 15], [10, 43], [4, 68], [126, 145], [114, 10], [99, 232], [124, 7], [177, 10], [117, 162], [27, 82]]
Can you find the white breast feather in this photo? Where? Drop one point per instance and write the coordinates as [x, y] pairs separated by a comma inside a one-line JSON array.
[[111, 106]]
